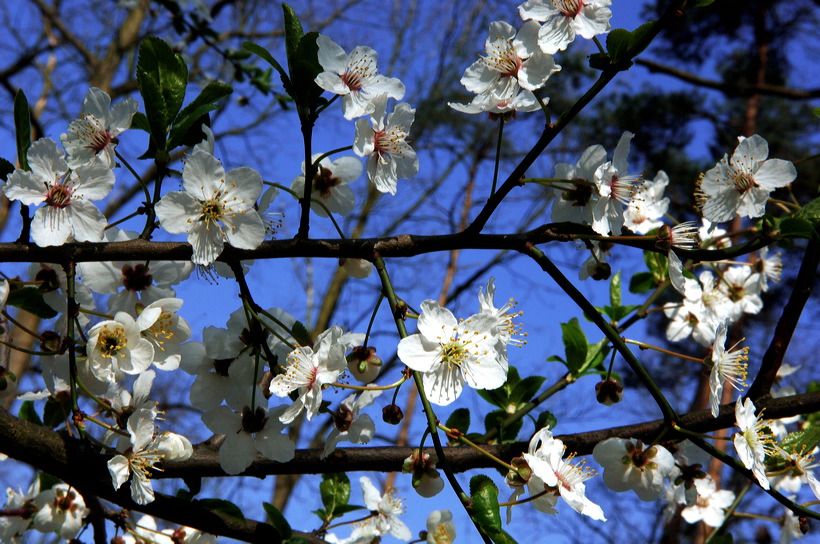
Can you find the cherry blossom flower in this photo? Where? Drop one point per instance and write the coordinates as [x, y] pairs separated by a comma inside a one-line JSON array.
[[628, 464], [575, 204], [426, 480], [545, 459], [616, 189], [12, 527], [384, 142], [165, 332], [727, 365], [563, 19], [513, 60], [354, 77], [440, 527], [116, 347], [144, 282], [60, 509], [769, 268], [752, 442], [450, 353], [92, 135], [742, 286], [740, 185], [644, 211], [522, 100], [215, 206], [711, 504], [309, 370], [330, 184], [386, 509], [247, 433], [350, 424], [67, 211], [798, 470]]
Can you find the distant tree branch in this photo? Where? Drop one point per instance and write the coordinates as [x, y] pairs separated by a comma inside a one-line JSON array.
[[729, 89]]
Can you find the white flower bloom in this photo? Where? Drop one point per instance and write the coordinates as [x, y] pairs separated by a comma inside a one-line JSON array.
[[615, 188], [742, 287], [644, 211], [354, 77], [61, 510], [384, 142], [629, 465], [165, 331], [741, 185], [440, 527], [726, 365], [769, 268], [350, 424], [215, 206], [522, 100], [92, 135], [450, 353], [513, 60], [12, 527], [575, 205], [752, 443], [563, 19], [357, 268], [246, 434], [309, 370], [67, 211], [387, 509], [545, 458], [711, 504], [144, 282], [116, 347], [330, 184], [798, 471]]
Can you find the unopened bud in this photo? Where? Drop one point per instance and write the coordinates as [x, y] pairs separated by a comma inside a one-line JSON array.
[[609, 392], [364, 364], [600, 272], [392, 414]]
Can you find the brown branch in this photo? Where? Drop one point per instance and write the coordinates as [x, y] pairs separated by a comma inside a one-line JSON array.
[[403, 245], [729, 88], [55, 20], [773, 358]]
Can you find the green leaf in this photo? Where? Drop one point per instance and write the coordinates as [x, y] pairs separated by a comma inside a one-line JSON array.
[[816, 111], [140, 122], [722, 538], [658, 265], [297, 539], [615, 289], [596, 354], [31, 300], [265, 55], [802, 441], [637, 35], [47, 481], [200, 106], [810, 213], [345, 508], [575, 345], [507, 433], [56, 413], [301, 334], [459, 419], [303, 72], [278, 521], [524, 391], [220, 506], [28, 413], [546, 419], [6, 168], [293, 35], [335, 492], [796, 227], [619, 312], [485, 511], [617, 45], [501, 396], [22, 128], [162, 78], [642, 282]]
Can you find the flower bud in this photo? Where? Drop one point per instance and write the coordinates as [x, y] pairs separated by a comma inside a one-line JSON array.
[[609, 392], [364, 364], [392, 414], [520, 474]]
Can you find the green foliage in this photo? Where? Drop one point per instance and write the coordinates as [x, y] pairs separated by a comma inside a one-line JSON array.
[[55, 413], [278, 521], [615, 311], [459, 419], [335, 493], [515, 393], [301, 334], [31, 300], [194, 114], [6, 168], [22, 128], [28, 413], [507, 433], [546, 419], [802, 441], [220, 506], [485, 511]]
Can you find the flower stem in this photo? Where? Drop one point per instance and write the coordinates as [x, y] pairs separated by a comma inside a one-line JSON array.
[[643, 345]]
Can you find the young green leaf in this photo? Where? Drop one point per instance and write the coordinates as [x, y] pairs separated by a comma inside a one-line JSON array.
[[615, 289], [293, 35], [278, 521], [459, 419], [220, 506], [162, 78], [6, 168], [265, 55], [575, 345], [28, 413], [199, 107], [485, 511], [31, 300], [335, 492], [22, 128]]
